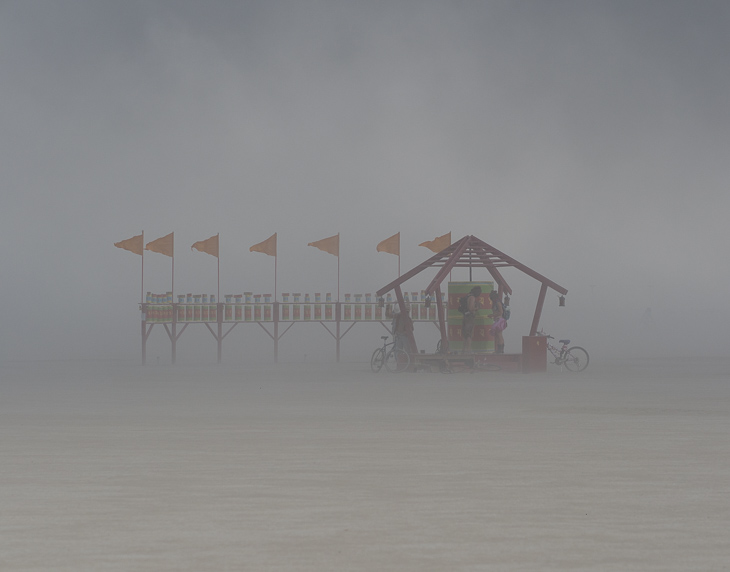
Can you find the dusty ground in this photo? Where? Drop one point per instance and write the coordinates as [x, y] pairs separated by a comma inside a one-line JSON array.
[[310, 467]]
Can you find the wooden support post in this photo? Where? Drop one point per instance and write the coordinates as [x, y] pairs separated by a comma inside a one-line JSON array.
[[337, 336], [338, 317], [144, 332], [538, 309], [399, 298], [276, 332], [402, 305], [219, 315], [173, 337]]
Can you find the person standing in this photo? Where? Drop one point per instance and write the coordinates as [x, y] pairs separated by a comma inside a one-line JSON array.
[[402, 327], [499, 323], [470, 316]]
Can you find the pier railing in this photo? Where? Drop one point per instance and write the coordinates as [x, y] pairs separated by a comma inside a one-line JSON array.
[[338, 318]]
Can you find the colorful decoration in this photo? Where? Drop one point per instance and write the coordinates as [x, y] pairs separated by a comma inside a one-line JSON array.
[[480, 340]]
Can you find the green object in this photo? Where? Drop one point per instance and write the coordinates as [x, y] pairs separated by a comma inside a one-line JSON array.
[[481, 340]]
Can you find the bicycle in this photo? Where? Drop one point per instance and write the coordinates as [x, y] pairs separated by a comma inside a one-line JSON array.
[[394, 359], [574, 359]]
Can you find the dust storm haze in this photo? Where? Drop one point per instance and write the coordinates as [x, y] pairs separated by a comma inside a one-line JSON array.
[[586, 140]]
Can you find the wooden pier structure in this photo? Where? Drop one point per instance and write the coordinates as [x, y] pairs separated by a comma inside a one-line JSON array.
[[273, 317], [276, 317]]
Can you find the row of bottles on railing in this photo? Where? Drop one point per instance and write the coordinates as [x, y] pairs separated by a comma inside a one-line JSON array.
[[165, 298], [159, 307], [197, 308], [190, 308], [294, 307], [249, 307]]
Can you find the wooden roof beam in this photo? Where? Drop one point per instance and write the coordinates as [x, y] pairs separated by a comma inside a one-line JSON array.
[[494, 272], [537, 276], [433, 261], [460, 247]]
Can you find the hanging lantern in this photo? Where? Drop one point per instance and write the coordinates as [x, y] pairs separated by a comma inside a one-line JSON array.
[[381, 301], [561, 301], [428, 301]]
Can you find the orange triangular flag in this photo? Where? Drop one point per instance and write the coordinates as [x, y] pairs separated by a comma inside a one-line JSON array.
[[268, 246], [163, 245], [209, 246], [331, 244], [390, 245], [438, 243], [134, 244]]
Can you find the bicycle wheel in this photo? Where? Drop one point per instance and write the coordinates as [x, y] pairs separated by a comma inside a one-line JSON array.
[[576, 359], [397, 361], [376, 362]]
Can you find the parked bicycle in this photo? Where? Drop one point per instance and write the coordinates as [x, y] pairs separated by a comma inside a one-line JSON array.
[[394, 359], [574, 358]]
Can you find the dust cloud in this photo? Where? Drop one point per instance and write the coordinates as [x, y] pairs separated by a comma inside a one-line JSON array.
[[586, 140]]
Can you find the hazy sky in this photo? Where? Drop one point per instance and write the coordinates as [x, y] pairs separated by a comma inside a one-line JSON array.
[[589, 140]]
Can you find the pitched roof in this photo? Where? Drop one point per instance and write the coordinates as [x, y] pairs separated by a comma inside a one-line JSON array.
[[470, 252]]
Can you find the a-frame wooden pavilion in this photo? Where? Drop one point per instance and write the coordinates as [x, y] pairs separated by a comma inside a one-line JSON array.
[[469, 252]]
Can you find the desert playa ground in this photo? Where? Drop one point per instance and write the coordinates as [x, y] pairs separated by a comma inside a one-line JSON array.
[[113, 466]]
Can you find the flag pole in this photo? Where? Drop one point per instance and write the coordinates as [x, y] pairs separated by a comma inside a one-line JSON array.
[[142, 293], [338, 266]]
